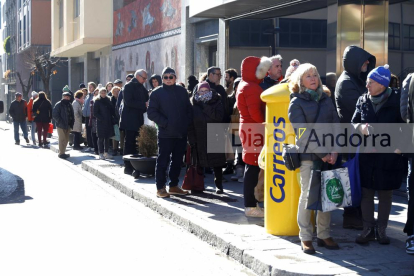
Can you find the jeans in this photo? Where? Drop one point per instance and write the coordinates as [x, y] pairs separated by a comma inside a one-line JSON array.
[[103, 144], [368, 207], [23, 126], [63, 139], [170, 152], [323, 219], [251, 177], [409, 225], [42, 130], [33, 131]]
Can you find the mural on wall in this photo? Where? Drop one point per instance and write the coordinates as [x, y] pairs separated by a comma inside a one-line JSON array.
[[145, 18], [148, 56]]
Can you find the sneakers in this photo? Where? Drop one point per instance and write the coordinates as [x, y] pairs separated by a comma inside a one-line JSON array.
[[101, 157], [162, 193], [239, 173], [409, 245], [107, 155], [367, 235], [382, 237], [254, 212], [177, 191]]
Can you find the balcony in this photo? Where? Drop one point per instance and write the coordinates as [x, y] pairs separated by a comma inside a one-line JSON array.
[[81, 33]]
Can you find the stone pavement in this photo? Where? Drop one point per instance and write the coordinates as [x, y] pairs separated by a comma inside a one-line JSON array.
[[219, 220]]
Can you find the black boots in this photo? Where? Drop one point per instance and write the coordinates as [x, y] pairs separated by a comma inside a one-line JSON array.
[[373, 233]]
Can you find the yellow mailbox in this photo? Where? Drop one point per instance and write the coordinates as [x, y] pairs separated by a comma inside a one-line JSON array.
[[282, 189]]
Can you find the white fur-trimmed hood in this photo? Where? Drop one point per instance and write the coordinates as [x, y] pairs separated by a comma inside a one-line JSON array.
[[263, 67]]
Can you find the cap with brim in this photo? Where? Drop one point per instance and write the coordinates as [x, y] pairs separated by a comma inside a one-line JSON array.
[[117, 81]]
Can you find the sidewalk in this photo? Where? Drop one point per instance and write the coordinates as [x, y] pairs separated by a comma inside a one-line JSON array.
[[220, 221]]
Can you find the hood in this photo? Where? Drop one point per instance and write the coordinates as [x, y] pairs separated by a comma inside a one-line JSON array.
[[353, 59], [254, 69], [157, 77]]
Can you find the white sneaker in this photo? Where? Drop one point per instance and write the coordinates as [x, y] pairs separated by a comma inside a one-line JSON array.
[[101, 156], [107, 155], [87, 150], [409, 245], [254, 212]]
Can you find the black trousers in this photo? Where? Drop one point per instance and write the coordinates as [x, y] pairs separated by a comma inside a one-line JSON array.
[[170, 152], [218, 177], [76, 139], [103, 144], [95, 142], [409, 225], [368, 207], [251, 177], [88, 132], [130, 146]]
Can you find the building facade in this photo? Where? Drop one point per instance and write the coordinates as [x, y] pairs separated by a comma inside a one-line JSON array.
[[147, 35], [82, 32]]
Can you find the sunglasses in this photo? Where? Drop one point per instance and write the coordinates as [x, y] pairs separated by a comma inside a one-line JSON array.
[[168, 77]]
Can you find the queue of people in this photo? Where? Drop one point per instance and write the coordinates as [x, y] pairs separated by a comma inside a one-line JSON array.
[[364, 94]]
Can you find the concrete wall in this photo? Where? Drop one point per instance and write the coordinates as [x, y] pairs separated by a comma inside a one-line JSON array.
[[152, 57]]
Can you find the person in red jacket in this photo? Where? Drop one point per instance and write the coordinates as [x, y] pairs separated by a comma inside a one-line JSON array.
[[30, 116], [251, 130]]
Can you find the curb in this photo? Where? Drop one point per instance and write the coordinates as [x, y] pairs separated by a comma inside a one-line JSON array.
[[237, 250]]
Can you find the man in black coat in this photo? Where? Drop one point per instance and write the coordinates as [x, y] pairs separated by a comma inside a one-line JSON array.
[[170, 108], [351, 84], [135, 96], [275, 74], [65, 118], [18, 111]]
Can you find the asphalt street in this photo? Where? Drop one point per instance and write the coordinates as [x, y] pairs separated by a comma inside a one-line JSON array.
[[56, 219]]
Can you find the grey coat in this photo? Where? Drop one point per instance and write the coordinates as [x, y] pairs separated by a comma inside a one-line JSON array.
[[77, 110], [302, 113]]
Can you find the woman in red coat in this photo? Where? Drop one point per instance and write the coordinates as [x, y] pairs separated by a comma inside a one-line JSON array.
[[252, 115]]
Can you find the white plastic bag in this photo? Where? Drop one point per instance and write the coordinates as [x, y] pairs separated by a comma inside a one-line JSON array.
[[335, 189]]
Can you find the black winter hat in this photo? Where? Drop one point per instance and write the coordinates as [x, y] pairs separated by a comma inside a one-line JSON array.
[[168, 70], [82, 85]]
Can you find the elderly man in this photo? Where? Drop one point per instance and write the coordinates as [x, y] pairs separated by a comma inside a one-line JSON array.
[[18, 111], [274, 75], [65, 118], [171, 110], [135, 96]]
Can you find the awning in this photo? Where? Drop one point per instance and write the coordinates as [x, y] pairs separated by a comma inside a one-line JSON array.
[[261, 9]]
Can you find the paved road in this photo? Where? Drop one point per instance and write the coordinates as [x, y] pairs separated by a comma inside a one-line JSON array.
[[58, 220]]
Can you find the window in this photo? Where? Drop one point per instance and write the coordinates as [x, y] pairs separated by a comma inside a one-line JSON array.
[[24, 30], [250, 33], [408, 37], [302, 33], [76, 8], [394, 36], [60, 14]]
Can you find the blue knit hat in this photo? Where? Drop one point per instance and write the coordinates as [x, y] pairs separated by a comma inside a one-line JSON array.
[[381, 74]]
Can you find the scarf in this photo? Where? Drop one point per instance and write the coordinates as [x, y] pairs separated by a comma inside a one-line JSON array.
[[314, 94], [381, 97], [203, 98]]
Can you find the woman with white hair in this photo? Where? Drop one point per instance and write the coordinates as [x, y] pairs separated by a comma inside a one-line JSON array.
[[309, 105]]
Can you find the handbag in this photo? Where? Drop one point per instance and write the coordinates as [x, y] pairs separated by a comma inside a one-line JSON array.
[[194, 177], [291, 156], [50, 131], [290, 153], [335, 189]]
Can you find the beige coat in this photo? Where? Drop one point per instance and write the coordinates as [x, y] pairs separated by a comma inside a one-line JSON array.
[[77, 110]]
